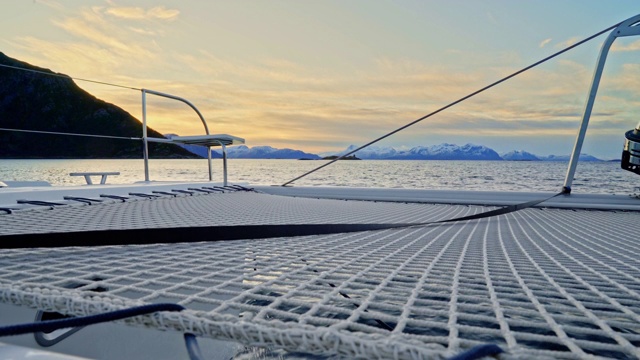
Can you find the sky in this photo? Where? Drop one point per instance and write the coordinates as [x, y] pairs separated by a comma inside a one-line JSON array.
[[321, 75]]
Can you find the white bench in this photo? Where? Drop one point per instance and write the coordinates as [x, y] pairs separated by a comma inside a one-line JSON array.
[[88, 175]]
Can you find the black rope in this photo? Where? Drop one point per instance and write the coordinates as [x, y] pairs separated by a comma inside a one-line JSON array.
[[457, 101], [68, 77], [51, 325], [219, 233], [500, 211], [479, 352], [193, 349]]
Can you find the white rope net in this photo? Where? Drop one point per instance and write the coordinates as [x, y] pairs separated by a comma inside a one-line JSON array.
[[538, 283]]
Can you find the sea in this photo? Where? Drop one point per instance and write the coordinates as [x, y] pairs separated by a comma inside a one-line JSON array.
[[591, 177]]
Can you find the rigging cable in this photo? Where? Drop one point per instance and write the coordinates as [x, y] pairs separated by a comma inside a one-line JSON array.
[[458, 101], [71, 134], [69, 77]]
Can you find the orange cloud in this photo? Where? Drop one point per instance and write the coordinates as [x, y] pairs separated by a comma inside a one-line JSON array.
[[138, 13], [275, 101]]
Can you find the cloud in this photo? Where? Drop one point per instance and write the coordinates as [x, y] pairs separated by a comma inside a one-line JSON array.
[[138, 13], [50, 3], [91, 26], [544, 42], [142, 31], [160, 12], [277, 101], [633, 46], [95, 37], [567, 43]]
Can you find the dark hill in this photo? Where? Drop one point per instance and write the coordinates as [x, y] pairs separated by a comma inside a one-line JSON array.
[[32, 101]]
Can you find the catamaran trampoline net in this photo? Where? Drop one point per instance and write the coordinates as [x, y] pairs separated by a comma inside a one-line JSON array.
[[538, 283]]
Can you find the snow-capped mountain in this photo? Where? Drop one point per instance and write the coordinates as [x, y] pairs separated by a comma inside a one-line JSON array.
[[245, 152], [583, 157], [519, 155], [371, 152], [435, 152], [443, 151], [266, 152]]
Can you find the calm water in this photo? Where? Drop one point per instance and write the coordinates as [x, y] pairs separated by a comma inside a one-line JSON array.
[[599, 177]]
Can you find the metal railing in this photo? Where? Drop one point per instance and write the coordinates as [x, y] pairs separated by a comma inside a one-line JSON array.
[[629, 27], [145, 138]]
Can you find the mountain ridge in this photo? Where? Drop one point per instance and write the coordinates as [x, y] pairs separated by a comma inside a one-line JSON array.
[[447, 151], [444, 151], [37, 102]]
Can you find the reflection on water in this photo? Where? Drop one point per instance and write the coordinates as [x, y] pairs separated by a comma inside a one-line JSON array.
[[591, 177]]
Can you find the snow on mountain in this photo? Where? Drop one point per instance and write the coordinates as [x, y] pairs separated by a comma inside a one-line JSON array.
[[245, 152], [443, 151], [583, 157], [519, 155], [435, 152], [266, 152], [371, 152]]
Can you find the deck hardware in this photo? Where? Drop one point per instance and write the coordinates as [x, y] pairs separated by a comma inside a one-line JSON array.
[[200, 190], [631, 152], [143, 195], [164, 193], [88, 175], [39, 203], [210, 188], [116, 197], [81, 199]]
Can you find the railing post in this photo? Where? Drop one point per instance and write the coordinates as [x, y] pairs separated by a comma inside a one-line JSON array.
[[145, 142], [209, 162], [224, 163]]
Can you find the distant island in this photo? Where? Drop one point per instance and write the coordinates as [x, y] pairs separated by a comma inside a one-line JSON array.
[[333, 157]]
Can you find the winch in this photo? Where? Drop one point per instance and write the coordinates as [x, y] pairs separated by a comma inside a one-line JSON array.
[[631, 152]]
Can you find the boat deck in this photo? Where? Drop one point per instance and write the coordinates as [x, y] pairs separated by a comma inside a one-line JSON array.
[[538, 282]]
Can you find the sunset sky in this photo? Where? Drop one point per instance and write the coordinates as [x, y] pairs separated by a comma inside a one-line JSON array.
[[321, 75]]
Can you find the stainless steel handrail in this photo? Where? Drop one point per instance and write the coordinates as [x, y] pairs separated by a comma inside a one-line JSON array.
[[145, 148], [629, 27]]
